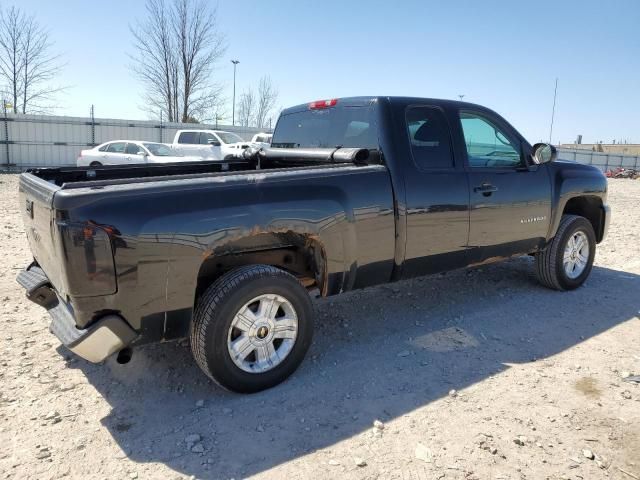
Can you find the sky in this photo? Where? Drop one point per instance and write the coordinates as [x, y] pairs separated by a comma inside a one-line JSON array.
[[502, 54]]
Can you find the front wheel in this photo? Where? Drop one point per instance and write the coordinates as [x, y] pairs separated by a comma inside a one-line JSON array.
[[567, 261], [252, 328]]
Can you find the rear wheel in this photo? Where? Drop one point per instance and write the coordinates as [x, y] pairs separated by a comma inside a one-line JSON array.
[[252, 328], [95, 164], [567, 261]]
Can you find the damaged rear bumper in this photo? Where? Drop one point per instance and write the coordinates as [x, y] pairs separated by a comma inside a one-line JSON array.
[[95, 343]]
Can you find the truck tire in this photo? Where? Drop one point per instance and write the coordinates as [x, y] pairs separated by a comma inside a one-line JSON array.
[[252, 328], [567, 261]]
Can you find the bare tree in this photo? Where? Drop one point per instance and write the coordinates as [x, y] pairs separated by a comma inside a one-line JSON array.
[[11, 64], [267, 96], [27, 64], [156, 63], [246, 108], [177, 47]]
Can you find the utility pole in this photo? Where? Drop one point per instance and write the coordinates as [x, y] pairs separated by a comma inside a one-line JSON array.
[[93, 126], [6, 133], [553, 111], [233, 108]]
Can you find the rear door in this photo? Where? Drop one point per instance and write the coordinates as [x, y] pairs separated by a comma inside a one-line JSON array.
[[510, 197], [437, 195], [189, 143], [116, 153]]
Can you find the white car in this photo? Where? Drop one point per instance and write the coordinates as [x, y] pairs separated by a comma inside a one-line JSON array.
[[262, 139], [120, 152], [209, 144]]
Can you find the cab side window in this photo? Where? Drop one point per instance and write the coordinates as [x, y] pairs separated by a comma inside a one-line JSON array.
[[488, 146], [429, 138], [189, 138]]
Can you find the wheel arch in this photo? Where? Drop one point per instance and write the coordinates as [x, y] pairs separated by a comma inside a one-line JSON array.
[[589, 207], [302, 255]]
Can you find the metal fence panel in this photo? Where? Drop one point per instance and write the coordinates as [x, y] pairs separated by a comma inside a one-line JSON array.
[[601, 160], [44, 140], [48, 141]]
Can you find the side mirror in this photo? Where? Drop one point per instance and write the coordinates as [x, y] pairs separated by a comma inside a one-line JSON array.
[[213, 142], [544, 153]]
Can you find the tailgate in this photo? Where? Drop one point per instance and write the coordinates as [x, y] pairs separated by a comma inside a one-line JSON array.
[[36, 207]]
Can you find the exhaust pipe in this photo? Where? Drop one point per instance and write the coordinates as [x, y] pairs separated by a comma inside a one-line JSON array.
[[309, 155], [124, 356]]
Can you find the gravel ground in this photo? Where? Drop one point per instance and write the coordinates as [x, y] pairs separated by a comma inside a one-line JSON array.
[[477, 373]]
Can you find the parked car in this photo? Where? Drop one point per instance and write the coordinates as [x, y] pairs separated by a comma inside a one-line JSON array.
[[262, 139], [354, 192], [209, 144], [119, 152]]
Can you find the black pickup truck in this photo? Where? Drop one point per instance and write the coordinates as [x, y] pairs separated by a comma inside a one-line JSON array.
[[353, 192]]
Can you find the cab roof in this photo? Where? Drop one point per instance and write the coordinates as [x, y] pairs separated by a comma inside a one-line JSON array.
[[371, 100]]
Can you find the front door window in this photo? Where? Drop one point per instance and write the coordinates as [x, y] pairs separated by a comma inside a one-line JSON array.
[[487, 145]]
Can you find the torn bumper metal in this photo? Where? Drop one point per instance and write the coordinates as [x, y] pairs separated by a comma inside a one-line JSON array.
[[95, 343]]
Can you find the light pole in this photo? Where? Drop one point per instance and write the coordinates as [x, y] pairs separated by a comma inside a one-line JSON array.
[[233, 108], [461, 97]]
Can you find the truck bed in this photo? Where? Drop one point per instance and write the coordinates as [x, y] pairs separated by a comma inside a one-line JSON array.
[[81, 177], [109, 196]]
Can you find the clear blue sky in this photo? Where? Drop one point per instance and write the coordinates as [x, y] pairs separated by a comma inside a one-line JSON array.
[[503, 54]]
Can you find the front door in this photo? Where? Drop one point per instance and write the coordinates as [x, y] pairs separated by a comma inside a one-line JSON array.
[[510, 196], [213, 149], [437, 195]]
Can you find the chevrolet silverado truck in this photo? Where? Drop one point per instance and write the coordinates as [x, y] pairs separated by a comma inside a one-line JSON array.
[[353, 192]]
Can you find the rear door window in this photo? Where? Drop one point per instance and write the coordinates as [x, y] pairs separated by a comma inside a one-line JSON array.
[[116, 147], [429, 137], [189, 138]]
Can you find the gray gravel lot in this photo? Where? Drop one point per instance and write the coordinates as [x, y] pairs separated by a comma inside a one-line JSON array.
[[478, 373]]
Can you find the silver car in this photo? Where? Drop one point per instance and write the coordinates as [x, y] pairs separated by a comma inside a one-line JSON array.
[[120, 152]]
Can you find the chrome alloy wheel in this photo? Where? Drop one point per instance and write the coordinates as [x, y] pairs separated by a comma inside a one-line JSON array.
[[262, 333], [576, 255]]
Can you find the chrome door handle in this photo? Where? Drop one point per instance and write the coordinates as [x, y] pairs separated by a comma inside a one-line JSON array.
[[486, 189]]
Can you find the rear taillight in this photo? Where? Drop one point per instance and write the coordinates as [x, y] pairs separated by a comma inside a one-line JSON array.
[[320, 104], [88, 258]]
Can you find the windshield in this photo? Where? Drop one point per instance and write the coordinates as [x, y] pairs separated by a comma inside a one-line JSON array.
[[159, 150], [228, 137], [327, 128]]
